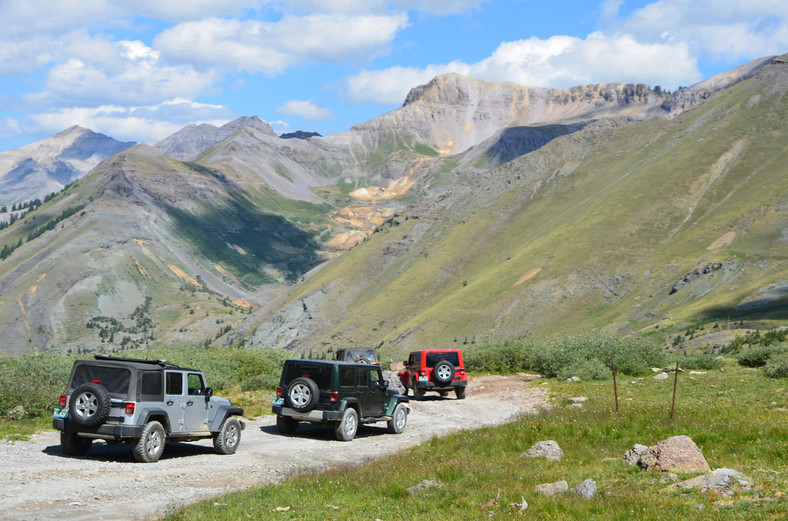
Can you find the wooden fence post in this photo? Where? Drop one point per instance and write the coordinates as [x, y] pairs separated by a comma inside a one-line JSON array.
[[615, 387], [675, 384]]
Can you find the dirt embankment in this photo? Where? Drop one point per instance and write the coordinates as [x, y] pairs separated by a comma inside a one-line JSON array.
[[41, 483]]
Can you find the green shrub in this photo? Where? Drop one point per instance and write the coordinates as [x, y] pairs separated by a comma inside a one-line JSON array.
[[591, 369], [701, 361], [633, 356], [33, 381], [758, 356], [777, 366]]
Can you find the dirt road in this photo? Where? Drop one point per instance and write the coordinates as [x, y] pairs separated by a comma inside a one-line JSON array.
[[41, 483]]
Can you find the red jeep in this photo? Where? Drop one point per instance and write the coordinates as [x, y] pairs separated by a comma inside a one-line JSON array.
[[440, 370]]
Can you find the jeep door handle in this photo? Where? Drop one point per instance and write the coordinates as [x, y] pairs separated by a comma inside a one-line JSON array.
[[189, 403], [170, 402]]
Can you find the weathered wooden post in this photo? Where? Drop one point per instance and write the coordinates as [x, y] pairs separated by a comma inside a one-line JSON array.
[[675, 384], [615, 387]]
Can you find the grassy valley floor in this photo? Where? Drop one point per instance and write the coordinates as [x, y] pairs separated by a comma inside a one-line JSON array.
[[738, 418]]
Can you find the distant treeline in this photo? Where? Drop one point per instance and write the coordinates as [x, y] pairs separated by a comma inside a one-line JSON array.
[[8, 249]]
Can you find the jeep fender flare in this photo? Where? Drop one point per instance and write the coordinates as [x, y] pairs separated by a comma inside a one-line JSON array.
[[160, 415], [222, 414], [350, 403], [396, 400]]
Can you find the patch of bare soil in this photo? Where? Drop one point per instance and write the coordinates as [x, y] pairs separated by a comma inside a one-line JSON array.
[[40, 482]]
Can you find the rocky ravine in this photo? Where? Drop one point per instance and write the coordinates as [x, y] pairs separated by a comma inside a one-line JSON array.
[[41, 483]]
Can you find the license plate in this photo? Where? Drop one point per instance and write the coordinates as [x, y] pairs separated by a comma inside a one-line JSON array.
[[279, 401], [423, 379], [60, 413]]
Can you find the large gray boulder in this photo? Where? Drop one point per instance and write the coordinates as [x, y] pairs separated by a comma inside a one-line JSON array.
[[545, 449], [723, 481], [676, 454]]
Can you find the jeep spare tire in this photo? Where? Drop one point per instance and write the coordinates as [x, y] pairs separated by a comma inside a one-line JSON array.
[[302, 395], [89, 405], [443, 372]]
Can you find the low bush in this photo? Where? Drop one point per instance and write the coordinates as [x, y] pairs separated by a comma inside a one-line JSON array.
[[589, 353], [777, 366], [759, 355], [701, 361]]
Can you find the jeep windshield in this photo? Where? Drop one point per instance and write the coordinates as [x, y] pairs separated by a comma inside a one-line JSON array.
[[114, 379], [434, 358]]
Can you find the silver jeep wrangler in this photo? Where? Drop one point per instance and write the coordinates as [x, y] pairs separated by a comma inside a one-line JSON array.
[[146, 403]]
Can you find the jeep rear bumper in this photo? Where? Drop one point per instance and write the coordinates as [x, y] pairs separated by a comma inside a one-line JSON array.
[[311, 416], [107, 431], [432, 386]]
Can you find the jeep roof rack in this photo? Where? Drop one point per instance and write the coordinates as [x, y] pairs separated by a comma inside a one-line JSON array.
[[162, 363]]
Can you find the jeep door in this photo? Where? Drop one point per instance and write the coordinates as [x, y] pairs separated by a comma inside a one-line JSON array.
[[195, 417], [174, 400], [371, 390]]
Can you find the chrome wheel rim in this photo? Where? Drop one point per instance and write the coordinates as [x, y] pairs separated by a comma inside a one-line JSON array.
[[86, 405]]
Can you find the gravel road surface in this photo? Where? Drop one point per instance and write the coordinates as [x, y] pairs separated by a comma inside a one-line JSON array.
[[42, 483]]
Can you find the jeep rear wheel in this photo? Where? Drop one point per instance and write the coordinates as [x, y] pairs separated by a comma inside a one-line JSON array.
[[460, 392], [149, 447], [303, 393], [346, 429], [399, 419], [229, 436], [418, 393], [89, 405], [73, 444], [443, 372], [286, 424]]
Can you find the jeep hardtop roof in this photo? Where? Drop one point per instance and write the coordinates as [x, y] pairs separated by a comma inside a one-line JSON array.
[[137, 363], [328, 362]]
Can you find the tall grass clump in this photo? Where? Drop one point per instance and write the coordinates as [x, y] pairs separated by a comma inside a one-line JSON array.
[[589, 356]]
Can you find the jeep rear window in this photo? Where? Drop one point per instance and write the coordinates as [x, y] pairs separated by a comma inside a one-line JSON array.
[[320, 374], [434, 358], [114, 379], [151, 386]]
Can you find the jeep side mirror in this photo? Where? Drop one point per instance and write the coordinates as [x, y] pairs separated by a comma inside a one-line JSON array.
[[208, 393]]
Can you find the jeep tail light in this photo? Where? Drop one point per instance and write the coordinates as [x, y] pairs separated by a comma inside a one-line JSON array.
[[278, 392], [130, 408], [95, 381], [62, 402], [333, 397]]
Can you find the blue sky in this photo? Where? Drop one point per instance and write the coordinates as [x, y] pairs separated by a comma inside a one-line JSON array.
[[140, 70]]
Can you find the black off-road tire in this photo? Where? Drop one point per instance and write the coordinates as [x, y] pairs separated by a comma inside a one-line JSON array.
[[460, 392], [286, 424], [399, 419], [302, 394], [443, 372], [149, 447], [73, 444], [418, 393], [346, 429], [229, 436], [89, 405]]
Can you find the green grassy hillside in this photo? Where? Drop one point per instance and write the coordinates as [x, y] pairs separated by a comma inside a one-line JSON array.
[[592, 231]]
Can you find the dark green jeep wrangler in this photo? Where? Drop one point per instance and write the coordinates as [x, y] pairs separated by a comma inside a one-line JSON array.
[[340, 393]]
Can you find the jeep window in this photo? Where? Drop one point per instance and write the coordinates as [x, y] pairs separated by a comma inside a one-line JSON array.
[[434, 358], [151, 386], [174, 383], [363, 378], [414, 359], [346, 377], [114, 379], [195, 384], [320, 374], [376, 377]]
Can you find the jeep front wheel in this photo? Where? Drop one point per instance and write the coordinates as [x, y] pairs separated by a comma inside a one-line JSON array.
[[229, 436], [399, 419], [286, 424], [149, 447], [89, 405], [73, 444], [346, 429], [302, 395]]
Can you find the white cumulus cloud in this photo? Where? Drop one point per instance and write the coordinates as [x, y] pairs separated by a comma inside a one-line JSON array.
[[253, 45], [305, 109]]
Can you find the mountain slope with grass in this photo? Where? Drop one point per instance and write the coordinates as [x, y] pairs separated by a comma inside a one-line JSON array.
[[652, 227]]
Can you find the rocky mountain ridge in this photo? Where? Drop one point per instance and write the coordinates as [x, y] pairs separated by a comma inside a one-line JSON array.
[[458, 213]]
